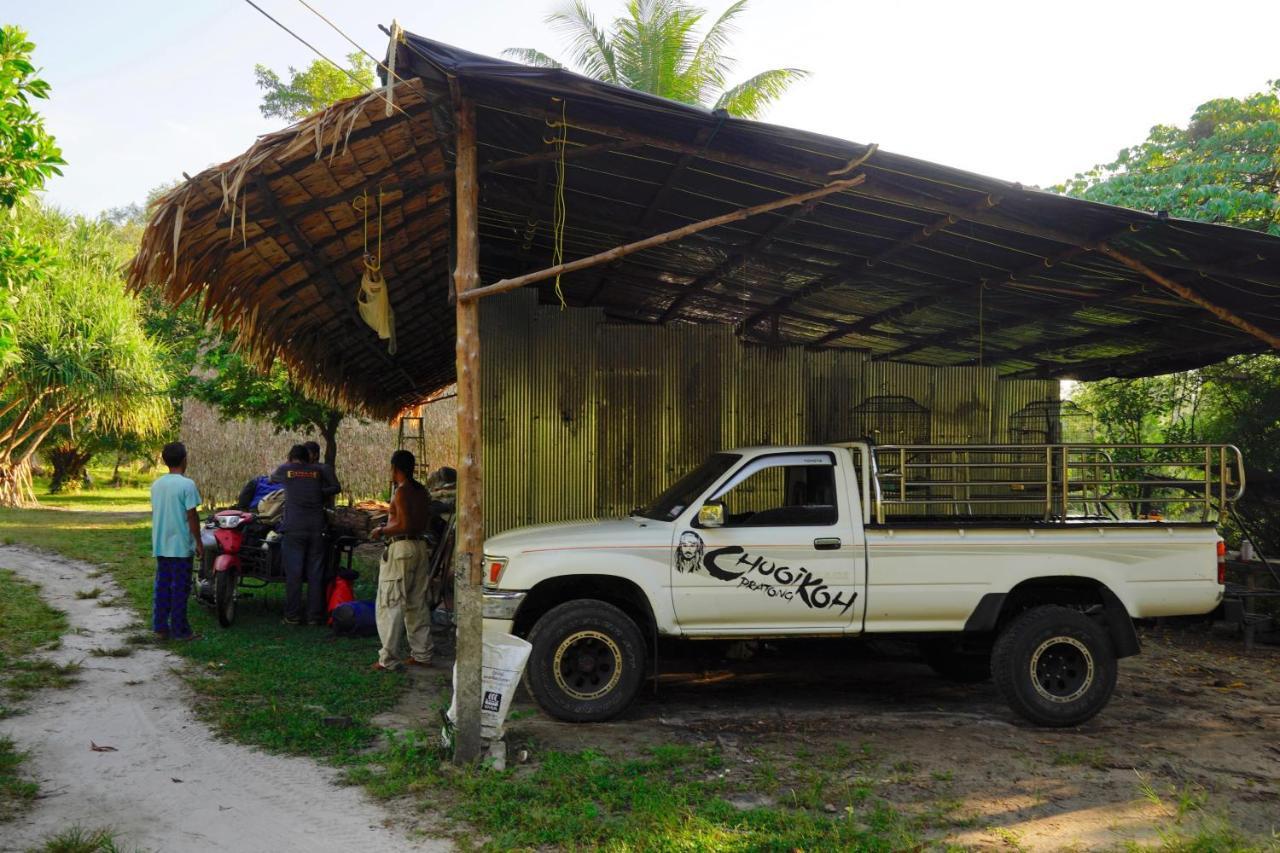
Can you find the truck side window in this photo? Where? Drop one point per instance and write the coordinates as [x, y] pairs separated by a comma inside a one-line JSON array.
[[791, 493]]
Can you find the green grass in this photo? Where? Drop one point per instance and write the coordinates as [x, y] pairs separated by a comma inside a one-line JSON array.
[[1095, 758], [673, 798], [271, 685], [80, 840], [133, 494], [16, 792], [259, 681], [29, 625]]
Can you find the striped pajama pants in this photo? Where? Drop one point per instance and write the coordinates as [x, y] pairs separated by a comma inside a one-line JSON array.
[[173, 588]]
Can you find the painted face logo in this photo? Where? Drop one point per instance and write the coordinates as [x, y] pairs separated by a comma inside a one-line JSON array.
[[689, 552], [733, 564]]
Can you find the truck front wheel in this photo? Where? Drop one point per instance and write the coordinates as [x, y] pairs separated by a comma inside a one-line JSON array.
[[1054, 666], [587, 661]]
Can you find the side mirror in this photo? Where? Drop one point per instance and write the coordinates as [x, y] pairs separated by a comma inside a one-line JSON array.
[[711, 515]]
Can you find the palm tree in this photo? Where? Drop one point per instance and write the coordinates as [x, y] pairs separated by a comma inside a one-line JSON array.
[[654, 48], [84, 361]]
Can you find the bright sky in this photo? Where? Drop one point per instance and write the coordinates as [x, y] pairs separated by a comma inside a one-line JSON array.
[[1029, 91]]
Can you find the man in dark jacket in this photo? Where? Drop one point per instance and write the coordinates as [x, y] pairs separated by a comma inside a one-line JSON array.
[[313, 447], [306, 487]]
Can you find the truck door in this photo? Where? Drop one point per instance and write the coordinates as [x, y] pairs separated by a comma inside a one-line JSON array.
[[787, 557]]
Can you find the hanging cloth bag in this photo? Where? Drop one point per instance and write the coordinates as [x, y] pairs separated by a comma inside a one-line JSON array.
[[375, 307], [373, 300]]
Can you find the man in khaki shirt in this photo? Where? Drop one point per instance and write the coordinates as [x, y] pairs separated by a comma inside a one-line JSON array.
[[403, 573]]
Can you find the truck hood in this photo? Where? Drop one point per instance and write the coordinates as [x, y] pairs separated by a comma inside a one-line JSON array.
[[577, 535]]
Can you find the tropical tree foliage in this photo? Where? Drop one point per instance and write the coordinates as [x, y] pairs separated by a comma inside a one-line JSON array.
[[28, 157], [83, 361], [28, 154], [314, 88], [241, 390], [655, 47], [1224, 166]]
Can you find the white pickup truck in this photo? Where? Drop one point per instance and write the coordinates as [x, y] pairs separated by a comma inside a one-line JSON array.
[[1023, 563]]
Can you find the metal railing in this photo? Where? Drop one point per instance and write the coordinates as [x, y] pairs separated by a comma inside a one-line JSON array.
[[1114, 482]]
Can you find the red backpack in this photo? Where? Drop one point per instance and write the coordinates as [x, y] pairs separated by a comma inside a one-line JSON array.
[[340, 593]]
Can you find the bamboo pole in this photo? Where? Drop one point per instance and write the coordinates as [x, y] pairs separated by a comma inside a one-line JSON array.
[[622, 251], [470, 524], [1193, 296]]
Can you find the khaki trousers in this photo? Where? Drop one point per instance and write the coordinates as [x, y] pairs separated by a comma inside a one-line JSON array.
[[402, 601]]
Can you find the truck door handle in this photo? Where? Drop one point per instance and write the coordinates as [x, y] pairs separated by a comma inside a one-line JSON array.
[[827, 544]]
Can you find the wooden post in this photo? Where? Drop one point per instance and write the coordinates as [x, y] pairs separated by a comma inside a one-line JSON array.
[[470, 526]]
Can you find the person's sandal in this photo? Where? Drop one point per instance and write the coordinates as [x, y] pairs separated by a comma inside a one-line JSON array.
[[378, 667], [412, 661]]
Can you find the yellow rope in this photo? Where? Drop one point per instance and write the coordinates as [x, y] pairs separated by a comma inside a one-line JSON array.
[[362, 204], [560, 212]]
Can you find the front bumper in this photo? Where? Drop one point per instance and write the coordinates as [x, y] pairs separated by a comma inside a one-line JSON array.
[[501, 604]]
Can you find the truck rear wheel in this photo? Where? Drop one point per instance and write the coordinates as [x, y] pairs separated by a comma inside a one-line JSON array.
[[1054, 666], [587, 661]]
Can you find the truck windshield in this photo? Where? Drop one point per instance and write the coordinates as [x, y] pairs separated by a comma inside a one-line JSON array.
[[689, 488]]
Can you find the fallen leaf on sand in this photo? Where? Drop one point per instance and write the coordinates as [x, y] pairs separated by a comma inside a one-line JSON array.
[[96, 748]]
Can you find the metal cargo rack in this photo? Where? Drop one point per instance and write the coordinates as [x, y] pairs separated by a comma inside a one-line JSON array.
[[1054, 482]]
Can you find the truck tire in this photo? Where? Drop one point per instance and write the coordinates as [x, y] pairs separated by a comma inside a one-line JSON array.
[[957, 666], [587, 663], [1054, 666]]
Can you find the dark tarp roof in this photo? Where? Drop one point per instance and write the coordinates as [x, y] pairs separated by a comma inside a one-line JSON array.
[[920, 263]]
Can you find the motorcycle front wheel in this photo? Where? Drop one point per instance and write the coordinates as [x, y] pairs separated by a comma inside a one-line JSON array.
[[224, 597]]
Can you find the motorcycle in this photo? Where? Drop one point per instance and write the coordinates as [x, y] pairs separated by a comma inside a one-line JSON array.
[[221, 577], [243, 552]]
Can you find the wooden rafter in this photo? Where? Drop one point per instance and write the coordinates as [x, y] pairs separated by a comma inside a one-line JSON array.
[[882, 191], [645, 220], [737, 259], [1134, 362], [656, 240], [838, 277], [317, 267], [353, 255], [1195, 297], [940, 295]]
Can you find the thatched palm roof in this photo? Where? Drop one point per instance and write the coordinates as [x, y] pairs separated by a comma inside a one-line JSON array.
[[918, 263]]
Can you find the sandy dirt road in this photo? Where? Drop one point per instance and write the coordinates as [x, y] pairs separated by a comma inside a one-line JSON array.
[[169, 783]]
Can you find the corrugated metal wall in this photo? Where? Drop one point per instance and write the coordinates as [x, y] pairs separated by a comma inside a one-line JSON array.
[[584, 418]]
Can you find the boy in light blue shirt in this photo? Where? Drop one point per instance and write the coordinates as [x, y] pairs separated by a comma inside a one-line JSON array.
[[175, 537]]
